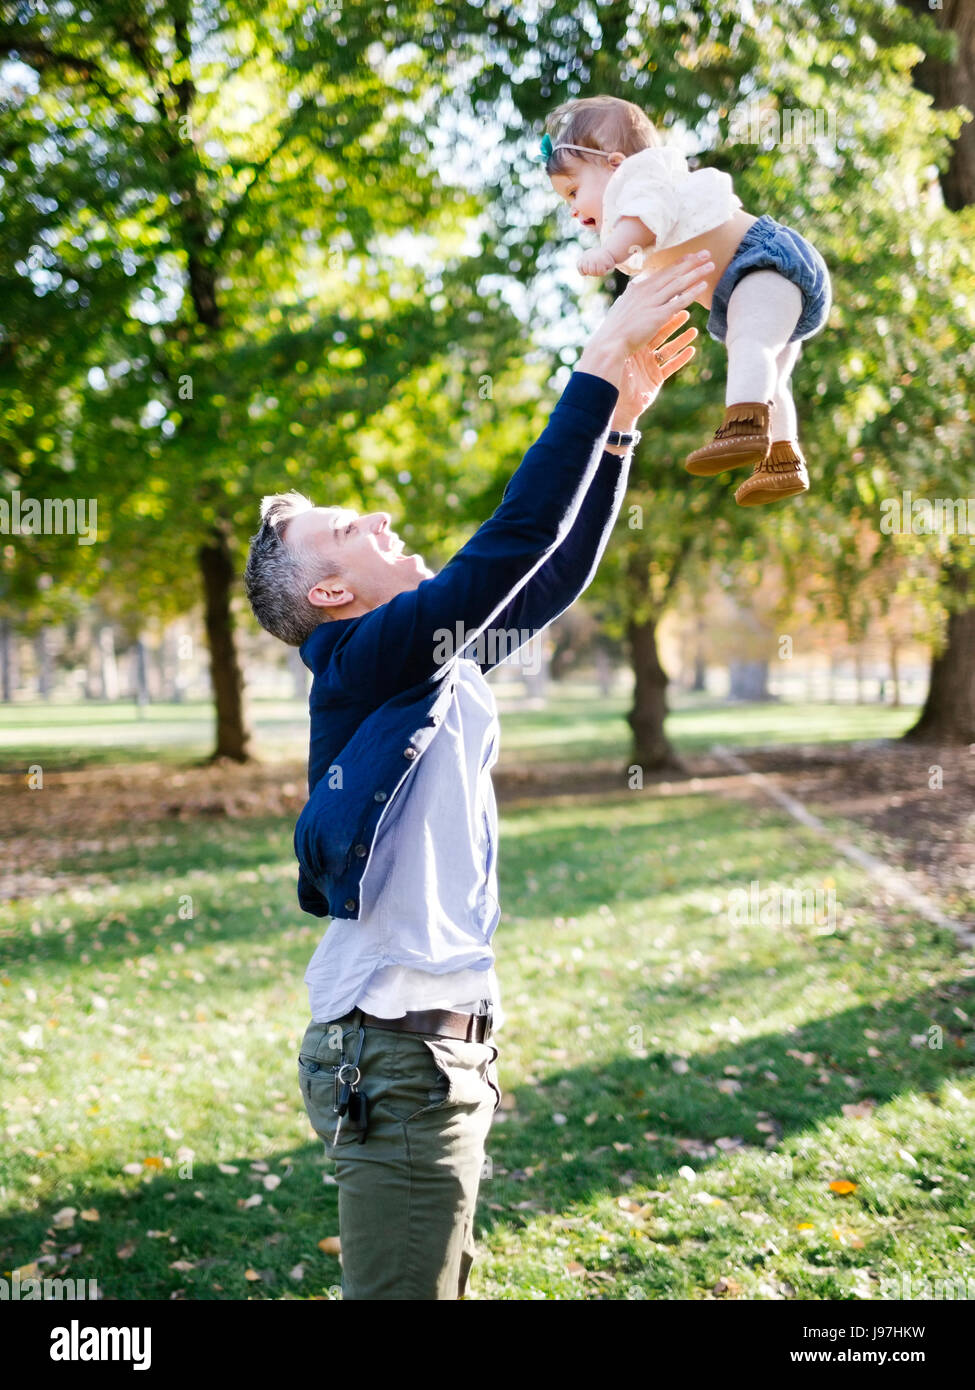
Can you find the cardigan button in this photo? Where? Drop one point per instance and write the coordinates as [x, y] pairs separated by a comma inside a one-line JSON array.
[[379, 796], [409, 752], [360, 850], [350, 904]]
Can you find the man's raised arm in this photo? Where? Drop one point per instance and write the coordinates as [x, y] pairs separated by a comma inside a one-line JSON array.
[[402, 642]]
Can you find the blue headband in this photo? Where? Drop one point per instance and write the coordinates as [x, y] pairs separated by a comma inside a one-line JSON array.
[[548, 149]]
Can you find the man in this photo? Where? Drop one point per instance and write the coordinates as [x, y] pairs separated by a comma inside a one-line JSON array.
[[397, 842]]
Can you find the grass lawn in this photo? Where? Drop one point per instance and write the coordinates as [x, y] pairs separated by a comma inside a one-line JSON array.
[[683, 1083], [577, 723]]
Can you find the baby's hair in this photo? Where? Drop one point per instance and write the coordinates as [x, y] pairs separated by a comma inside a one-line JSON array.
[[599, 123]]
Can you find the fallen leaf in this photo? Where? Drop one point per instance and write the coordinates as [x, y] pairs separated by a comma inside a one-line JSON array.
[[861, 1111], [90, 1214], [727, 1288], [229, 1168], [126, 1251], [575, 1269], [64, 1217], [182, 1265], [271, 1181], [251, 1275], [331, 1245], [297, 1273], [843, 1187]]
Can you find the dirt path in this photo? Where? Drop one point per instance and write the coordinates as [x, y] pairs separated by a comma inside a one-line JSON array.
[[887, 794]]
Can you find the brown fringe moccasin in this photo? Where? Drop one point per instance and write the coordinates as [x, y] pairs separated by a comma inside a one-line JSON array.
[[782, 474], [743, 437]]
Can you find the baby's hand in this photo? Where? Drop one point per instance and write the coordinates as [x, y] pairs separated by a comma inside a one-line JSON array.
[[598, 262]]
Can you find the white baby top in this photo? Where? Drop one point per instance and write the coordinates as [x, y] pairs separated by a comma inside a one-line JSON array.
[[657, 186]]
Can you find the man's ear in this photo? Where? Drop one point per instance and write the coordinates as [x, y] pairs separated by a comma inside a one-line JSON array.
[[330, 593]]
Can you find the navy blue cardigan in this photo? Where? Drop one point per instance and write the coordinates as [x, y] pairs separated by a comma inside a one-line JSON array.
[[381, 683]]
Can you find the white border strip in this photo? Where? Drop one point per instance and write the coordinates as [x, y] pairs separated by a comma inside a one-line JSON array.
[[892, 878]]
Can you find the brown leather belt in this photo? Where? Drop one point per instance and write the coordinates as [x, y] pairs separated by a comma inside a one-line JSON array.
[[442, 1023]]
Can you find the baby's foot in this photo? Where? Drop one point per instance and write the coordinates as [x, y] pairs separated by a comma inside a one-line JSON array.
[[782, 474], [596, 263]]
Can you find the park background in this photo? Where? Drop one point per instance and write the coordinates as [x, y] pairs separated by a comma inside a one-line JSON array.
[[257, 245]]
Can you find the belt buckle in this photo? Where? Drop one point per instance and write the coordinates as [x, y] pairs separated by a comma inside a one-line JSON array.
[[488, 1016]]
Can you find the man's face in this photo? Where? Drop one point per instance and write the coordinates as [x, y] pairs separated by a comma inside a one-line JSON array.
[[582, 188], [374, 569]]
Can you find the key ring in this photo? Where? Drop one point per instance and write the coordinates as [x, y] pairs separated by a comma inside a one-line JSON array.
[[358, 1052], [344, 1080]]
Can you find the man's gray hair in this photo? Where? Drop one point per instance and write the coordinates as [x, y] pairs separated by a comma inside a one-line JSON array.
[[278, 576]]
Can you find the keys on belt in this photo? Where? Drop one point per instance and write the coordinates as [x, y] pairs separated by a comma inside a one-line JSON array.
[[350, 1101]]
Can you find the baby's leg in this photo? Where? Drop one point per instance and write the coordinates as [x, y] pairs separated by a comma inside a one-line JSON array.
[[783, 414], [783, 473], [763, 310]]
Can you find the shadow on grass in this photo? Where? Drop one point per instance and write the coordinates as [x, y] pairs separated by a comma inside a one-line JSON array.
[[653, 1098], [222, 1239]]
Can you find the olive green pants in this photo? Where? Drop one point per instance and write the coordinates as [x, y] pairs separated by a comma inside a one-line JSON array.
[[407, 1195]]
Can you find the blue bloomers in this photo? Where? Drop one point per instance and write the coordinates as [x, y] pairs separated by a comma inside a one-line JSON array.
[[770, 245]]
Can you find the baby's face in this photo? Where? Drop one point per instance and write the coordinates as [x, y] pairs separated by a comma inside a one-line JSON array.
[[582, 188]]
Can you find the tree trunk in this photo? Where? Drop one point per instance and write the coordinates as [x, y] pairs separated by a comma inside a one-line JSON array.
[[536, 681], [748, 680], [8, 661], [217, 568], [604, 671], [140, 675], [42, 652], [299, 674], [107, 663], [700, 663], [651, 747], [948, 715], [952, 84], [895, 673]]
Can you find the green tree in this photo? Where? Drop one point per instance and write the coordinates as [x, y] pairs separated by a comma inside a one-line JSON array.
[[883, 394], [227, 246]]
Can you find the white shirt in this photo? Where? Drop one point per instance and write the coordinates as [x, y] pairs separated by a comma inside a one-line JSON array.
[[656, 186], [429, 893]]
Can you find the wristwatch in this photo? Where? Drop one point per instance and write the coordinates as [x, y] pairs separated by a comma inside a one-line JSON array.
[[616, 440]]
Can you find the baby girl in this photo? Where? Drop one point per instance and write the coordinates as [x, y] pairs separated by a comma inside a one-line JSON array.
[[768, 291]]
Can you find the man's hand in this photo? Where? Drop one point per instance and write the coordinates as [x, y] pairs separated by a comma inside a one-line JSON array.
[[641, 313], [646, 370]]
